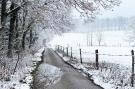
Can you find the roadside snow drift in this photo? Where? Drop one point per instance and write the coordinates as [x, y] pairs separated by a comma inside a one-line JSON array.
[[49, 74]]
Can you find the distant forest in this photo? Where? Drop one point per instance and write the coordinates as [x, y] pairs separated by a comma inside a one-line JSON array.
[[107, 24], [119, 23]]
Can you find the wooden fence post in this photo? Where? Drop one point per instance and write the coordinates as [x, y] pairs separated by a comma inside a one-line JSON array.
[[132, 77], [81, 56], [67, 51], [71, 53], [58, 48], [97, 62], [63, 49]]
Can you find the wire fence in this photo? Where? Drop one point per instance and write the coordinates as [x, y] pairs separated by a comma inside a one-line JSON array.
[[81, 54], [86, 54]]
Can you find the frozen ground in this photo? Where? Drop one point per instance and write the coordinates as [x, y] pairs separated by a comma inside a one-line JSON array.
[[114, 57], [70, 79], [47, 75], [115, 48], [109, 75], [117, 55], [109, 38], [22, 78]]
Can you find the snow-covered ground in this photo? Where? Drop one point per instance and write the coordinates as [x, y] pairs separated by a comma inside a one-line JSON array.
[[109, 75], [116, 48], [47, 75], [109, 38], [22, 78], [118, 55], [114, 57]]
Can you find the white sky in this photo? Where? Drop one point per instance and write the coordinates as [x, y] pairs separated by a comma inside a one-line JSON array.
[[126, 9]]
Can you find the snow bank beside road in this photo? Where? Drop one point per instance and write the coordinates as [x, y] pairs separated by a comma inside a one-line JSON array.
[[109, 75], [39, 53], [48, 74]]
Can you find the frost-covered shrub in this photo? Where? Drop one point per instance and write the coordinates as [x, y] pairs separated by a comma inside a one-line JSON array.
[[10, 66], [5, 67], [115, 74], [34, 49]]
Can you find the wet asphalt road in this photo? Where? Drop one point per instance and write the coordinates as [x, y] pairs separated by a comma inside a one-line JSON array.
[[71, 78]]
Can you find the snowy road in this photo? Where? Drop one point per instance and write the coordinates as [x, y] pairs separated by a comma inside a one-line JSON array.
[[71, 79]]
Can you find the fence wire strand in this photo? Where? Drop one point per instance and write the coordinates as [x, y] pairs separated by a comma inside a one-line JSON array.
[[88, 52]]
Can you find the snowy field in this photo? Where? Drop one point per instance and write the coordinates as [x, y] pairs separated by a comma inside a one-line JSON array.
[[108, 38], [109, 75], [114, 57], [115, 47], [118, 55]]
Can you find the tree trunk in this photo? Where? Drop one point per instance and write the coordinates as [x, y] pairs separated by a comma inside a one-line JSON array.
[[25, 33], [13, 17], [23, 40], [16, 34], [3, 13], [91, 39], [31, 38], [24, 18]]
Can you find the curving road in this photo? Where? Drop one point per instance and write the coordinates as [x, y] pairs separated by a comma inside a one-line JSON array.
[[71, 78]]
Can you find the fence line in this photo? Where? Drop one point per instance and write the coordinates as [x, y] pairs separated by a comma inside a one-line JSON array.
[[105, 54], [92, 53], [62, 49], [113, 55]]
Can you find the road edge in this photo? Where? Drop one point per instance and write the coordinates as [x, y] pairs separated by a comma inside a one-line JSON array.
[[88, 76]]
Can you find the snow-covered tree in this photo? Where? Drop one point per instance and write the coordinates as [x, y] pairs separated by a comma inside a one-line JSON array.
[[90, 39], [99, 36], [131, 32], [20, 20]]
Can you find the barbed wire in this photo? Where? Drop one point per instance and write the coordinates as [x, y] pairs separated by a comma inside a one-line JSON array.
[[109, 54], [112, 54], [88, 52]]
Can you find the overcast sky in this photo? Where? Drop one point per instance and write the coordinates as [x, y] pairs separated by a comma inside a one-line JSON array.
[[126, 9]]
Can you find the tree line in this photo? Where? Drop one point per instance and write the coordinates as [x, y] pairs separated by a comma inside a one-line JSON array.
[[21, 19]]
